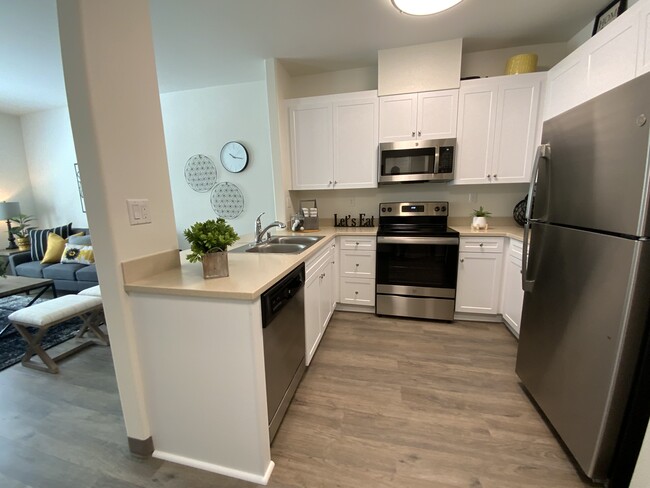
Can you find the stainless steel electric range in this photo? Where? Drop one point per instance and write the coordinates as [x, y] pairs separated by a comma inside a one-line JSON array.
[[417, 261]]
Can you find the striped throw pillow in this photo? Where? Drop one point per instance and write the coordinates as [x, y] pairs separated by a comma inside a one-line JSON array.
[[38, 239]]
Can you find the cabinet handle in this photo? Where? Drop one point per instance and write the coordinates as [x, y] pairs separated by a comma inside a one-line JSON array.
[[480, 245], [489, 176], [357, 265], [419, 133], [462, 260], [356, 243], [333, 262], [495, 175], [356, 292], [335, 182], [413, 134], [329, 183]]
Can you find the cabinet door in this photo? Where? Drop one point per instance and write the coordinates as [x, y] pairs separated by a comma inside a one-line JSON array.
[[566, 85], [513, 295], [398, 117], [518, 128], [643, 54], [313, 329], [358, 291], [311, 146], [479, 282], [326, 295], [437, 114], [355, 143], [612, 55], [476, 123]]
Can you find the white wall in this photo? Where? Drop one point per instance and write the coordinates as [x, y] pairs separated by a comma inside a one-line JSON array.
[[493, 62], [201, 122], [344, 81], [14, 175], [50, 152], [498, 199]]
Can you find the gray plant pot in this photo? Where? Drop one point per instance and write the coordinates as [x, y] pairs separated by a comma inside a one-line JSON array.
[[215, 265]]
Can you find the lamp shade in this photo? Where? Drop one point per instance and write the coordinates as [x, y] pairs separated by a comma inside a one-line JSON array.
[[9, 210]]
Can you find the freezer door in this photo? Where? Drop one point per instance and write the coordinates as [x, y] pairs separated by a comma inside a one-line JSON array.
[[580, 333], [597, 176]]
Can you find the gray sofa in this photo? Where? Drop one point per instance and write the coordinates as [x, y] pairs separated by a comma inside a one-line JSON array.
[[67, 276]]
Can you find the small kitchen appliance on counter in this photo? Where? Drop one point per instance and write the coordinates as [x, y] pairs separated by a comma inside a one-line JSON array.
[[417, 261]]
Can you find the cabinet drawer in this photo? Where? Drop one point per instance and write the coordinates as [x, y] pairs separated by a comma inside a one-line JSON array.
[[356, 291], [313, 263], [358, 264], [481, 244], [365, 243], [516, 248]]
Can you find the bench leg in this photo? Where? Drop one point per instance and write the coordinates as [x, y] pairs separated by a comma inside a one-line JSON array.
[[34, 347], [91, 322]]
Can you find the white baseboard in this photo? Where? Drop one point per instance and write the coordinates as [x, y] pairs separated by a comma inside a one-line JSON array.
[[216, 468], [344, 307], [478, 317]]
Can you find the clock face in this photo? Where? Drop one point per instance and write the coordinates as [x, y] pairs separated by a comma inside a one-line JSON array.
[[234, 157]]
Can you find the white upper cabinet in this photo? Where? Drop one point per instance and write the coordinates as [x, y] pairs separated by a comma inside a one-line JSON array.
[[413, 116], [612, 57], [334, 141], [311, 145], [499, 126], [355, 143]]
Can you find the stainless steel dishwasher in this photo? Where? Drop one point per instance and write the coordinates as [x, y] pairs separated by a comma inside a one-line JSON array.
[[283, 320]]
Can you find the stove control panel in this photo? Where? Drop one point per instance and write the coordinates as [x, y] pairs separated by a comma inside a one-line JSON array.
[[414, 209]]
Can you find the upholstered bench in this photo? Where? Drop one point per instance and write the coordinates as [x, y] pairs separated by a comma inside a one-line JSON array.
[[48, 314]]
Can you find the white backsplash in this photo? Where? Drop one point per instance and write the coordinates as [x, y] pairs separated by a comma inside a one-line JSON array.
[[498, 199]]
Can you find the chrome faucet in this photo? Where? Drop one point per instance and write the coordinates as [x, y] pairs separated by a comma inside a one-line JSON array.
[[259, 232]]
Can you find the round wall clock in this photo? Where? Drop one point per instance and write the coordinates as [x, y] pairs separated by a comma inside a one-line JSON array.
[[234, 156]]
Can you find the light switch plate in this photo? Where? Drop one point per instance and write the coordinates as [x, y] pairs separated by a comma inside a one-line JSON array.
[[138, 211]]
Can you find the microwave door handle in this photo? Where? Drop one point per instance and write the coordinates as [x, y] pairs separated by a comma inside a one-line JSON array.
[[543, 151], [436, 162]]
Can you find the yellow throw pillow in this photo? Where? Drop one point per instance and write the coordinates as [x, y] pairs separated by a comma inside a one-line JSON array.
[[55, 246], [54, 250]]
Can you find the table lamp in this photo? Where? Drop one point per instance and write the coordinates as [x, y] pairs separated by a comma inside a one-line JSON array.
[[9, 210]]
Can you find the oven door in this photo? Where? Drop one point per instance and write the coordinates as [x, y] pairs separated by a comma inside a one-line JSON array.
[[417, 266]]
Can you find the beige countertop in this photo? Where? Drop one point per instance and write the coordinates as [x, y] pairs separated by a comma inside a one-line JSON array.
[[511, 231], [250, 273]]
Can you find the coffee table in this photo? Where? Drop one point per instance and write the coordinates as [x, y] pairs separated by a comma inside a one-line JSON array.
[[13, 285]]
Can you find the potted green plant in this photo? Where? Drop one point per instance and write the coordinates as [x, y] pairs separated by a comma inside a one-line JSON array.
[[479, 218], [209, 241], [21, 231]]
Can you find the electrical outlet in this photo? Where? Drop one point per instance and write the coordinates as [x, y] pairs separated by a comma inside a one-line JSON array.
[[352, 202]]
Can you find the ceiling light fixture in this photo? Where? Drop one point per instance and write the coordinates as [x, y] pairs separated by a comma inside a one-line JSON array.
[[423, 7]]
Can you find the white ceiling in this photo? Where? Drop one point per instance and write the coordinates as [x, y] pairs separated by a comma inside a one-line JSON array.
[[202, 43]]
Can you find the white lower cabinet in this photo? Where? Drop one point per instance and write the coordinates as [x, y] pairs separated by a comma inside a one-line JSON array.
[[513, 295], [357, 271], [320, 298], [480, 270]]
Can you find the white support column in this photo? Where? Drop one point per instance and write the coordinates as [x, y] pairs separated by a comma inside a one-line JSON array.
[[114, 105]]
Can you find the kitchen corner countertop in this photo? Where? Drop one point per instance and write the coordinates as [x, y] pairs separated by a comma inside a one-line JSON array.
[[250, 273], [512, 231]]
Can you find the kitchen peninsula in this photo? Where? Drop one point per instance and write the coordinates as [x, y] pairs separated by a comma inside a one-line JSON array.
[[201, 350]]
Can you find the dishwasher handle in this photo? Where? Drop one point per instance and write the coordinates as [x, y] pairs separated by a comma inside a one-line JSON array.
[[280, 294]]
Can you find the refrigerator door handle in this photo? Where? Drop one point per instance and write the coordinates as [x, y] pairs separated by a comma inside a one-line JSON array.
[[543, 151]]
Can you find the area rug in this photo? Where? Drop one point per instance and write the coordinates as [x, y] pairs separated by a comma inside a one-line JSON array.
[[13, 346]]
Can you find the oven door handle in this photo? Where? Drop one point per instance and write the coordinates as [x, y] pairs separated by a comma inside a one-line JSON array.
[[443, 241]]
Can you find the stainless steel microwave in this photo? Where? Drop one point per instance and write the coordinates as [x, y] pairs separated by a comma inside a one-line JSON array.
[[410, 161]]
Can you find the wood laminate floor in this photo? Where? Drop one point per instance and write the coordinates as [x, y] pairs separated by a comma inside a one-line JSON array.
[[385, 403]]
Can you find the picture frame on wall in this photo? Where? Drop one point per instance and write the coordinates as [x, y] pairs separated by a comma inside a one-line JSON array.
[[609, 13]]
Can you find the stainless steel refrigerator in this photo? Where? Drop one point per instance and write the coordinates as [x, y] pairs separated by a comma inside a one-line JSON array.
[[587, 276]]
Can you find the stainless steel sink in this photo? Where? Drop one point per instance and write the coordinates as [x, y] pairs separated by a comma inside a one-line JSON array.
[[281, 245], [309, 240]]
